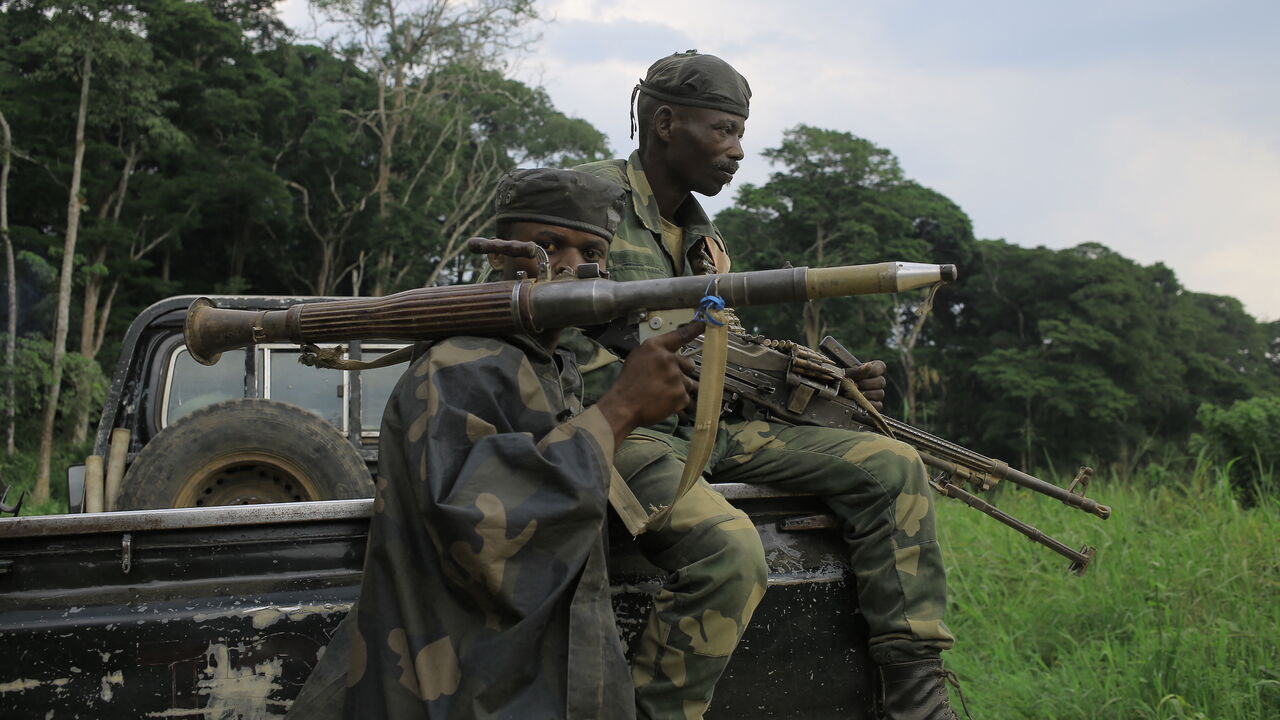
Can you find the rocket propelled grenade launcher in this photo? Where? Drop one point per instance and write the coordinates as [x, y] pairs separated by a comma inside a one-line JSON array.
[[527, 306]]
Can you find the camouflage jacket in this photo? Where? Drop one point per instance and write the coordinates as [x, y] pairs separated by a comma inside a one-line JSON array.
[[485, 579], [637, 253]]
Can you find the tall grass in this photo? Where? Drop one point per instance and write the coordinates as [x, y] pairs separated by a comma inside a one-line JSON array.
[[1178, 617]]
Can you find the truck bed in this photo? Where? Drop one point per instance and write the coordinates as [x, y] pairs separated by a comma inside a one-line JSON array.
[[221, 612]]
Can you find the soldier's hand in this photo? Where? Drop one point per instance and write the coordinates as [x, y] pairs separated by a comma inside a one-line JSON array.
[[655, 382], [870, 379]]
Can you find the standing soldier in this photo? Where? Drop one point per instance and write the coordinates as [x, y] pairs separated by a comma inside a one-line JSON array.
[[691, 111]]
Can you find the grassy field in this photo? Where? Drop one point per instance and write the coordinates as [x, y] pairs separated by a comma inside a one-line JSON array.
[[1179, 616]]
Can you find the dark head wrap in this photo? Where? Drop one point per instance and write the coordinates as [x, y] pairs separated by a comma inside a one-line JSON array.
[[567, 198], [688, 78]]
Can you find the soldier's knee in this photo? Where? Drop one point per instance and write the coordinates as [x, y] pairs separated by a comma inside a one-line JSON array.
[[895, 464], [742, 568], [906, 471]]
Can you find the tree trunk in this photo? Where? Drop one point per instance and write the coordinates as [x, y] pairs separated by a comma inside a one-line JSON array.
[[61, 318], [88, 332], [93, 319], [10, 341], [382, 273], [813, 327], [906, 356]]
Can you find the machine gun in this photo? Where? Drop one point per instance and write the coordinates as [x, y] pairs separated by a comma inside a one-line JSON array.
[[788, 382]]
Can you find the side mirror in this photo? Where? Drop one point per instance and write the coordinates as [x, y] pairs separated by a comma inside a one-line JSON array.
[[75, 489]]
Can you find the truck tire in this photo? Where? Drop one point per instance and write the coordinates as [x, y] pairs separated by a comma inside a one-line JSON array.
[[242, 452]]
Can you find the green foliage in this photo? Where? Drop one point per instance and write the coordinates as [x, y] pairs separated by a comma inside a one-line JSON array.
[[1247, 436], [838, 199], [1076, 355], [31, 373], [18, 472], [1176, 618], [222, 156]]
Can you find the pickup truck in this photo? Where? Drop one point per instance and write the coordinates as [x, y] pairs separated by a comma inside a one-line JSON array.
[[237, 508]]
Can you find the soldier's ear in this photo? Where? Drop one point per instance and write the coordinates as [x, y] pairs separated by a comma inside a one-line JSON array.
[[662, 120], [496, 262]]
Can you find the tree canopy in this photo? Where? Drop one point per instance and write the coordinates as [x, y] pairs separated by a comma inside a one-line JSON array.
[[219, 153], [1036, 355]]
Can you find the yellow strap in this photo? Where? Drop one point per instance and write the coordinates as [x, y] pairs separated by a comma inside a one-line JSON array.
[[715, 351], [626, 504], [849, 389]]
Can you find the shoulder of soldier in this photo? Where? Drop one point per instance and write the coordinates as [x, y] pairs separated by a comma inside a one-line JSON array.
[[615, 171], [483, 354]]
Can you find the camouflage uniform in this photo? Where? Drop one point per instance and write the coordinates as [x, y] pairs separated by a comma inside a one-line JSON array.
[[485, 591], [876, 486]]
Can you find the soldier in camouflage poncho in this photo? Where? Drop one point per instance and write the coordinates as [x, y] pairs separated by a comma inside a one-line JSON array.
[[692, 110], [485, 593]]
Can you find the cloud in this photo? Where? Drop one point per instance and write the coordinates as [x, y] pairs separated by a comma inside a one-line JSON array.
[[1150, 126], [579, 41]]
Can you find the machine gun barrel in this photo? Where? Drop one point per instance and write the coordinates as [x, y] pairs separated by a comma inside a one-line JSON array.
[[515, 306], [973, 466], [977, 467]]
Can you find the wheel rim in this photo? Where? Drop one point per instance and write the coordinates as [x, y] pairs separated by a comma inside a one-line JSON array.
[[246, 478]]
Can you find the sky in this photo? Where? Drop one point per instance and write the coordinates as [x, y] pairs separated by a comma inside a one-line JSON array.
[[1150, 126]]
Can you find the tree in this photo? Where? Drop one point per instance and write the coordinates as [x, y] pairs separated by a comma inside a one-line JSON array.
[[448, 167], [78, 38], [422, 57], [838, 200], [11, 280]]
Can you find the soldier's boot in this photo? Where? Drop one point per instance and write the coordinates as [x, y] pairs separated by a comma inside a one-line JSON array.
[[916, 691]]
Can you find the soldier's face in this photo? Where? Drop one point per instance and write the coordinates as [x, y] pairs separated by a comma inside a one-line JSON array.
[[566, 250], [704, 147]]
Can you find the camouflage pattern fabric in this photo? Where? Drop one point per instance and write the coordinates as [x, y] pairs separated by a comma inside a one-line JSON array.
[[716, 577], [636, 252], [879, 490], [485, 592], [876, 486]]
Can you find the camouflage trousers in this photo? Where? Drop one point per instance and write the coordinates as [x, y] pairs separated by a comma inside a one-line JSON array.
[[876, 486]]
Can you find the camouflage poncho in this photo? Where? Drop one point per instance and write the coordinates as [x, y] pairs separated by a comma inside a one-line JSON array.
[[485, 593]]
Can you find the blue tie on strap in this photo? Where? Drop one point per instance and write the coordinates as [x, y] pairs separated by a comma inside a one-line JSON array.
[[709, 302]]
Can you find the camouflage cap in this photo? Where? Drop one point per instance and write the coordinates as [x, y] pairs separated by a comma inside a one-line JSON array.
[[705, 81], [567, 198]]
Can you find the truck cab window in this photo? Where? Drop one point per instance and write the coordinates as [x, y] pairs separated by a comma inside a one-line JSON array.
[[193, 386], [321, 391], [375, 388]]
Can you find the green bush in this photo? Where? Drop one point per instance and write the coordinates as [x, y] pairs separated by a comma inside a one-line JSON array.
[[1246, 435]]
